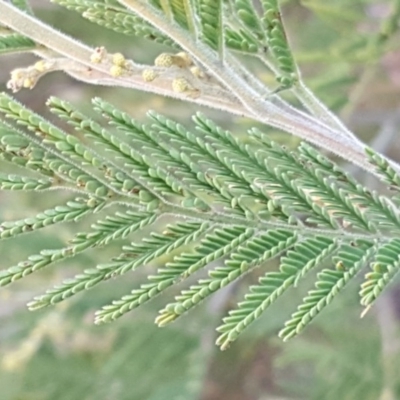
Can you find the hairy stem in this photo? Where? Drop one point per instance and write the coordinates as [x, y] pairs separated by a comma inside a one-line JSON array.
[[99, 74], [253, 105], [261, 110], [319, 110]]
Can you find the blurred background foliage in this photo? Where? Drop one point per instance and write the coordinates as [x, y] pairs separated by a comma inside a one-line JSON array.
[[349, 53]]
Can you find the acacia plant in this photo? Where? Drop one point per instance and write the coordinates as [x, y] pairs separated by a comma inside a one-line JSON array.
[[207, 197]]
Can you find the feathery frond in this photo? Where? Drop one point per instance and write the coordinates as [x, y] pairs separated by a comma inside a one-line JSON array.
[[71, 211], [212, 247], [243, 204], [116, 18], [278, 44], [385, 266], [350, 260], [134, 255], [294, 265], [211, 21], [250, 254], [15, 43], [195, 199]]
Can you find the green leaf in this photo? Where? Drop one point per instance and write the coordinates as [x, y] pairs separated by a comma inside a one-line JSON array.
[[385, 267], [116, 18], [249, 255], [23, 5], [211, 22], [296, 264], [16, 43], [329, 284]]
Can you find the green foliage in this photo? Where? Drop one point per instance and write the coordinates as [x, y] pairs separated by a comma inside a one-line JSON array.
[[201, 199], [104, 357], [210, 12], [237, 195], [116, 18], [385, 266], [277, 43], [298, 261], [16, 43], [350, 260]]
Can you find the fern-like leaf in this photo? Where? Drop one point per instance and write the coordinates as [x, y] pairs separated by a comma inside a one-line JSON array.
[[182, 12], [17, 182], [387, 172], [350, 260], [116, 18], [211, 21], [236, 204], [246, 12], [16, 44], [212, 247], [278, 44], [385, 265], [247, 256], [294, 265], [71, 211], [134, 255], [103, 233]]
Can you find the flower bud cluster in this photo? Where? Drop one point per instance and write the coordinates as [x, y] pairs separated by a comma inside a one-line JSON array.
[[119, 64], [29, 76], [180, 60]]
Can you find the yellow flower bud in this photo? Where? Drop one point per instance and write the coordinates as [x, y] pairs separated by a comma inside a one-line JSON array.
[[95, 58], [116, 71], [41, 66], [185, 59], [149, 75], [17, 74], [165, 60], [98, 56], [197, 72], [119, 60], [181, 85], [28, 83]]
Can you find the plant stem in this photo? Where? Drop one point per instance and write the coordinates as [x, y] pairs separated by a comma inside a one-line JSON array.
[[319, 110], [253, 105], [260, 109]]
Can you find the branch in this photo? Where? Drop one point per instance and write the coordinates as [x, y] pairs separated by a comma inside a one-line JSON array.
[[319, 110], [253, 106], [99, 74]]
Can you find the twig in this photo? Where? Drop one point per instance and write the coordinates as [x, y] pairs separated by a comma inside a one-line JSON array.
[[253, 106]]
